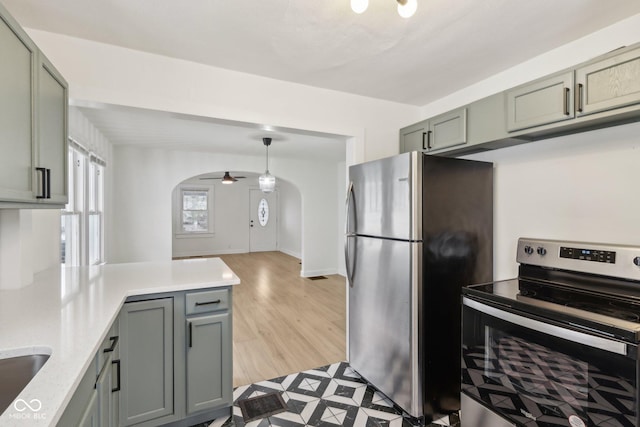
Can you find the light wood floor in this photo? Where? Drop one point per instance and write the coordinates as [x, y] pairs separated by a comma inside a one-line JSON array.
[[283, 323]]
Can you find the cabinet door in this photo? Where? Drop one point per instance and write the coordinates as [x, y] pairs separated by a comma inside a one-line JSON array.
[[209, 365], [540, 103], [611, 83], [146, 355], [103, 387], [413, 138], [447, 130], [90, 418], [17, 83], [52, 106]]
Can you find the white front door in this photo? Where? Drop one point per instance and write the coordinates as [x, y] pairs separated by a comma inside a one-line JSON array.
[[263, 224]]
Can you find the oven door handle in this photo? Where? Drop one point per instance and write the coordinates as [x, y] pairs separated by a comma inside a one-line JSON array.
[[604, 344]]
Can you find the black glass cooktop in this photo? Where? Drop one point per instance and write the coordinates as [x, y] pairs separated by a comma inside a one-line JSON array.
[[564, 303]]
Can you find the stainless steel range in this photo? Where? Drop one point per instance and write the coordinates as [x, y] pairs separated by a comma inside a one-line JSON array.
[[557, 346]]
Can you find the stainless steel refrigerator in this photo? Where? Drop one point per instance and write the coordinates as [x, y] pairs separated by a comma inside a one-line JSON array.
[[418, 228]]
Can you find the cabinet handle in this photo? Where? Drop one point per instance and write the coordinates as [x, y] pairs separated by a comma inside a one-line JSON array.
[[117, 363], [579, 94], [190, 334], [114, 343], [429, 140], [218, 301], [566, 101], [43, 183], [423, 140], [48, 173]]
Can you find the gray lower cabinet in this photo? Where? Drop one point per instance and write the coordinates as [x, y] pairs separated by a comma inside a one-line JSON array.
[[94, 402], [545, 101], [176, 358], [209, 352], [611, 83], [146, 358], [91, 416]]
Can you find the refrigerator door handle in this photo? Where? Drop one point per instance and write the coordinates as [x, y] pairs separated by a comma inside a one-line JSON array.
[[348, 235]]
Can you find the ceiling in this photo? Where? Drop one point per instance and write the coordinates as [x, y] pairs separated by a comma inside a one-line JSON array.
[[446, 46]]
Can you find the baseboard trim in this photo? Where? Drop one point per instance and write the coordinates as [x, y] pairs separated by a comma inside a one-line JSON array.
[[291, 253], [208, 253]]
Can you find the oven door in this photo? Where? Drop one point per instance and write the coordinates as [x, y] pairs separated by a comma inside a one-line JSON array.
[[537, 373]]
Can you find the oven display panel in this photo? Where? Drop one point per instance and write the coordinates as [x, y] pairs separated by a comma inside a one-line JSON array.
[[608, 257]]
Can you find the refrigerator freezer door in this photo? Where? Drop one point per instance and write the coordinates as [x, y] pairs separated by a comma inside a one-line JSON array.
[[383, 318], [384, 198]]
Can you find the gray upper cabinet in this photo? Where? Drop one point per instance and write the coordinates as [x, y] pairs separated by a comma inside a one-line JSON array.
[[17, 83], [540, 103], [414, 137], [33, 123], [209, 379], [52, 102], [447, 130], [611, 83], [443, 131], [599, 93], [146, 354]]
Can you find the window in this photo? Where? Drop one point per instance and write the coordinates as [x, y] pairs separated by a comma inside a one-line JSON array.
[[195, 210], [82, 219], [71, 218], [96, 207]]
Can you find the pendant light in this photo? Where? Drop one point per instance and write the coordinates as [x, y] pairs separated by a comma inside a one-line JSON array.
[[359, 6], [406, 8], [267, 181]]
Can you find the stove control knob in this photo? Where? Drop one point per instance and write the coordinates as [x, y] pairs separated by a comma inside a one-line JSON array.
[[541, 251], [528, 250], [636, 261]]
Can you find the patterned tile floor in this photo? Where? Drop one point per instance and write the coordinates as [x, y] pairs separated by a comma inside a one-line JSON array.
[[333, 395]]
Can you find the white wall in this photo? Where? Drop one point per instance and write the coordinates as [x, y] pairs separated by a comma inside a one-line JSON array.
[[289, 219], [145, 179]]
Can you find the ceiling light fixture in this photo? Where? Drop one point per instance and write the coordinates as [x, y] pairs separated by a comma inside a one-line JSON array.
[[228, 179], [359, 6], [406, 8], [267, 181]]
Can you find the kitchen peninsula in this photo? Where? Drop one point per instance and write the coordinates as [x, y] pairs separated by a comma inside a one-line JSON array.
[[70, 313]]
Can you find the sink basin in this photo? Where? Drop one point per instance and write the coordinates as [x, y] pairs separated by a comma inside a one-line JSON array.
[[15, 374]]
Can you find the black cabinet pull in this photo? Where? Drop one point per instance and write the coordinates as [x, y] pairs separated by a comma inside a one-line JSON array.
[[48, 173], [190, 334], [43, 183], [566, 101], [423, 135], [114, 343], [218, 301], [579, 95], [429, 140], [117, 363]]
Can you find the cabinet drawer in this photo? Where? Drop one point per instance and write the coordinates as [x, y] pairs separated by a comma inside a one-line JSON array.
[[206, 301]]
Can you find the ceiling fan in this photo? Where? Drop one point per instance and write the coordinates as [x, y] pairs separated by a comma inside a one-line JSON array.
[[226, 179]]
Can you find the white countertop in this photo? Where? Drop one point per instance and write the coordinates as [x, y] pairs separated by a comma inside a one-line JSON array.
[[67, 312]]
